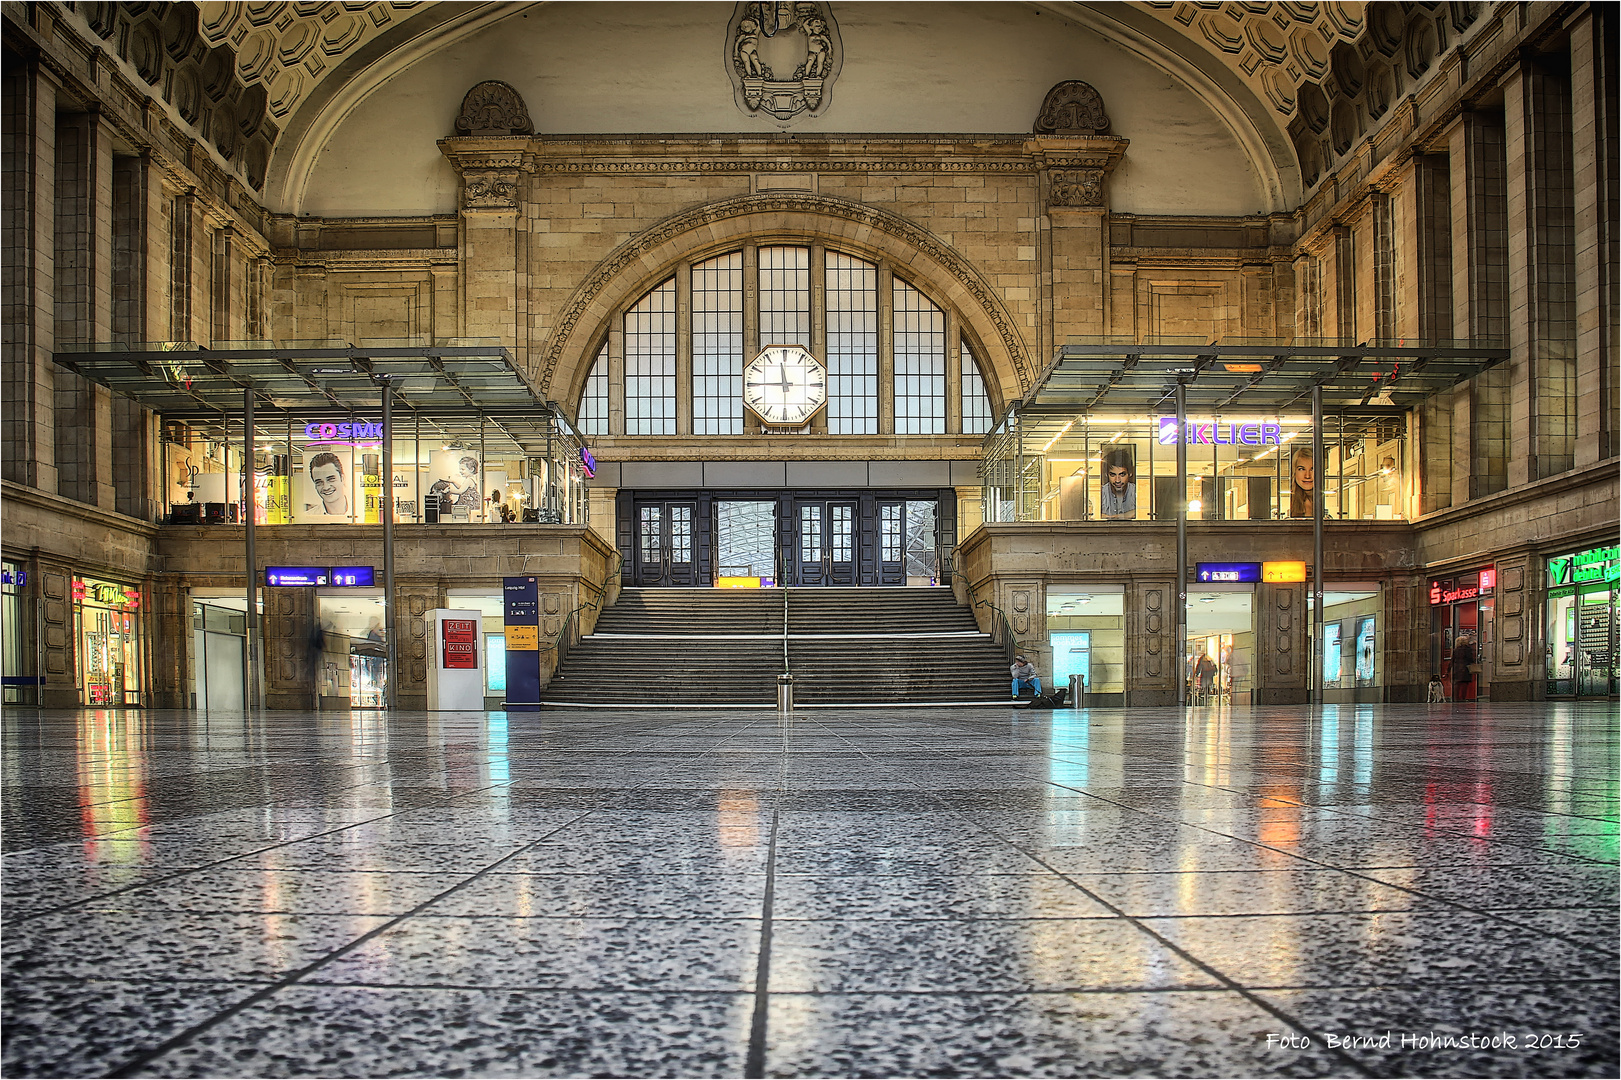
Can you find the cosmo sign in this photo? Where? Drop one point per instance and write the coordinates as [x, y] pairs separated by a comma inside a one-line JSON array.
[[1213, 434], [353, 434]]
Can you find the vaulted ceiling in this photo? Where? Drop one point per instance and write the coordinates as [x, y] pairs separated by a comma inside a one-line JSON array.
[[264, 80]]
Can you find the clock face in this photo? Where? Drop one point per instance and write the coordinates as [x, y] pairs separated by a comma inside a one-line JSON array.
[[784, 386]]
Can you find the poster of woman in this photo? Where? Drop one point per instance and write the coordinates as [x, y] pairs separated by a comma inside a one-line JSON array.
[[1304, 488], [458, 476], [325, 490]]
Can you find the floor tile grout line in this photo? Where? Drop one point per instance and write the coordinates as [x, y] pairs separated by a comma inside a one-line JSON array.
[[151, 1054], [1353, 872], [1175, 948], [188, 871], [754, 1060]]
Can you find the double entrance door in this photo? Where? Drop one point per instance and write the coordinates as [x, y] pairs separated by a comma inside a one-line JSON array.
[[774, 538]]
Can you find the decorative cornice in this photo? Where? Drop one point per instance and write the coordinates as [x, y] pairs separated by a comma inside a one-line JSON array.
[[670, 228]]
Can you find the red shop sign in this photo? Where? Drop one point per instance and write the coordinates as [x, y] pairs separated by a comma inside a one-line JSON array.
[[461, 643]]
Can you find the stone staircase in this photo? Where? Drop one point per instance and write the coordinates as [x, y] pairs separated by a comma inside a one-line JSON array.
[[725, 647]]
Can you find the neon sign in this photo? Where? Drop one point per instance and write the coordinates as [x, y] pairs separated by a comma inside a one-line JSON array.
[[1221, 434], [588, 464], [319, 434], [105, 592]]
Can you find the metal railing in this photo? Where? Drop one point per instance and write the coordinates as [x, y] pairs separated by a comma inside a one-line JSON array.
[[1001, 629], [565, 637], [785, 670]]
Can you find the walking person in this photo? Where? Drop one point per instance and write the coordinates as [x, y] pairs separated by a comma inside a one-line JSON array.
[[1464, 658]]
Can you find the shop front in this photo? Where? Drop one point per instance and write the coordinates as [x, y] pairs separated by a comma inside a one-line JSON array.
[[1461, 609], [20, 679], [107, 629], [1582, 625], [1353, 642]]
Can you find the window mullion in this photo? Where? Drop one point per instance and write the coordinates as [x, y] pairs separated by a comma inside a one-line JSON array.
[[683, 349], [886, 349], [818, 317], [953, 373]]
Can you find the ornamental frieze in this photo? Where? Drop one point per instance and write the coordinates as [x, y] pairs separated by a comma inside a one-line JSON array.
[[490, 190]]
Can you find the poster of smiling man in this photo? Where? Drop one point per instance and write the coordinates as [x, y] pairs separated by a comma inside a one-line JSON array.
[[325, 490], [1119, 497]]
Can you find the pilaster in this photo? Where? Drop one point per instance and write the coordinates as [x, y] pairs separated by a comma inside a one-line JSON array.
[[1073, 174], [1594, 142]]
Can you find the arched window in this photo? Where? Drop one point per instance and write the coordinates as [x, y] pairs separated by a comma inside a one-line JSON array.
[[831, 302], [594, 400], [976, 403], [650, 363]]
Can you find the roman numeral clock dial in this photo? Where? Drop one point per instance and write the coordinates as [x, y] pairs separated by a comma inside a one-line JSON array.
[[784, 386]]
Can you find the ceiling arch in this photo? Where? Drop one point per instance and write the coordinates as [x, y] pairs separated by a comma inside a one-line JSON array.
[[303, 65]]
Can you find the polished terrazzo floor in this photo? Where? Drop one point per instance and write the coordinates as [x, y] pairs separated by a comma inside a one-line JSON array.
[[957, 892]]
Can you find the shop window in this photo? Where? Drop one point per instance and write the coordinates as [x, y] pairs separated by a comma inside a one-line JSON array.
[[1086, 633]]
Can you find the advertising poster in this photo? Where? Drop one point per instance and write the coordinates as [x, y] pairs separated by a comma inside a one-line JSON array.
[[1302, 483], [325, 491], [1118, 501], [1364, 650], [456, 474], [371, 488], [1331, 654], [405, 493]]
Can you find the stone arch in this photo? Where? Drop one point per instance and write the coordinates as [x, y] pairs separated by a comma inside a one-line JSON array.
[[789, 217]]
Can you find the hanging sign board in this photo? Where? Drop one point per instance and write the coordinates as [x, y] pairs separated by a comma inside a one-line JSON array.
[[357, 576], [1283, 572], [1228, 571], [294, 576]]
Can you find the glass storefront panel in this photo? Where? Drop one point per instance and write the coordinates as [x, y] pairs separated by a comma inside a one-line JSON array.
[[1353, 636], [1220, 665], [1105, 467], [329, 470], [355, 665], [1582, 628], [107, 626], [1086, 631], [219, 631], [17, 645]]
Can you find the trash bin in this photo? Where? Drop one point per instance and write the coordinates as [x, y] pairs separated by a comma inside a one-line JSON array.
[[785, 693], [1077, 691]]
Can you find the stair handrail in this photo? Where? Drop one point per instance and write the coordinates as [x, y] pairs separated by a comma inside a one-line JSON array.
[[785, 670], [564, 640], [1001, 629]]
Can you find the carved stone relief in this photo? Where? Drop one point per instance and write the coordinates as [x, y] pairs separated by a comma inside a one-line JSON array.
[[493, 108], [783, 58], [1154, 633], [1083, 187], [1072, 108], [490, 190]]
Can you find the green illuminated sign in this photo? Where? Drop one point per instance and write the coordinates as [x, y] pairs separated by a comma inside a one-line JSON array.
[[1594, 564]]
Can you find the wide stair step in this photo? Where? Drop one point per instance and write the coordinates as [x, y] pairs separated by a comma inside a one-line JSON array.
[[725, 647]]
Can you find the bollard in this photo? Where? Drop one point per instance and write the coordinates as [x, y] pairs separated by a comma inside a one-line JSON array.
[[785, 693]]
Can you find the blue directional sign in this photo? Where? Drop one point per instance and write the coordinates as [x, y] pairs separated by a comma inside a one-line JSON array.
[[1227, 571], [521, 612], [294, 576], [360, 576]]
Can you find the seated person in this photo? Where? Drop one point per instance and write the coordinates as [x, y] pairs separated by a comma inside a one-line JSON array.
[[1024, 674]]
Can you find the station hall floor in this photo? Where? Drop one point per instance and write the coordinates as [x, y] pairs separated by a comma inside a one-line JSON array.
[[925, 892]]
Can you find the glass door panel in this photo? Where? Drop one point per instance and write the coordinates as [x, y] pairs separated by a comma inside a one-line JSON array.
[[665, 547]]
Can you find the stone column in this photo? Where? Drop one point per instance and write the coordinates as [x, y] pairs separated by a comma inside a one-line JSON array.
[[1513, 660], [1281, 652], [1542, 277], [1424, 311], [289, 674], [1152, 664], [1073, 174], [413, 601], [492, 275], [1594, 139], [27, 423], [83, 296], [1479, 208], [168, 620]]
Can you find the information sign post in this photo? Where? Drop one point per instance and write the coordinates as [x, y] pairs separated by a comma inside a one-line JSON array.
[[521, 607]]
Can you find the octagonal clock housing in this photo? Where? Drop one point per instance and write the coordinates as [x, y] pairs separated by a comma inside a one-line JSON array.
[[785, 386]]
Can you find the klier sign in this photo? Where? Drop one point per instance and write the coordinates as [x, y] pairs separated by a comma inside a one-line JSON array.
[[1212, 434]]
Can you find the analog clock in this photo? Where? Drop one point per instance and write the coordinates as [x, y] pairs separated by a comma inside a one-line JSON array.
[[784, 386]]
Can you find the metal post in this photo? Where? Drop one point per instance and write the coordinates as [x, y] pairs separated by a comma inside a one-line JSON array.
[[1317, 500], [1181, 544], [252, 619], [390, 696]]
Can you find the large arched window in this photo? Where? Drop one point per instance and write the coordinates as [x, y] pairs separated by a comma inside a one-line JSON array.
[[905, 382]]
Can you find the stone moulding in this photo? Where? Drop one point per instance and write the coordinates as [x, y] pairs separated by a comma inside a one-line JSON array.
[[806, 203]]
